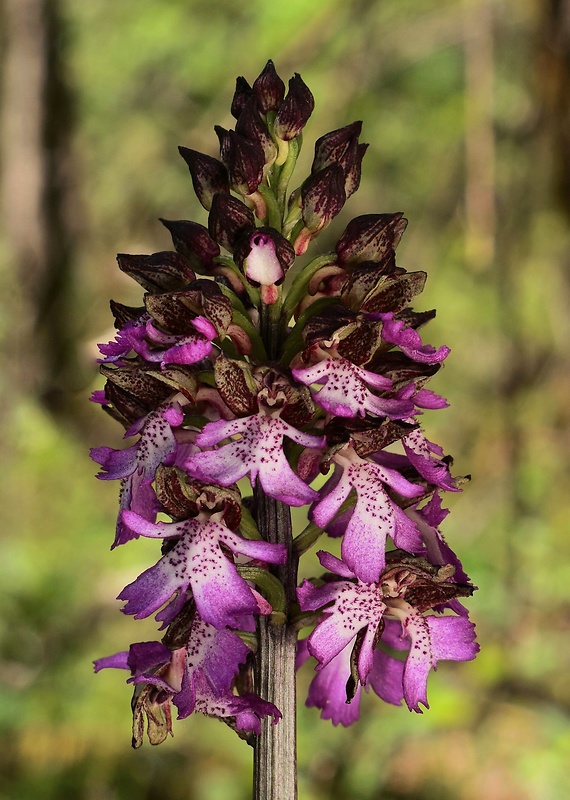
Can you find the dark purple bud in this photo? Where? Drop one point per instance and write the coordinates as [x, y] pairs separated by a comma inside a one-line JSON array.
[[243, 159], [171, 487], [175, 312], [236, 385], [193, 241], [360, 340], [134, 383], [366, 277], [394, 293], [353, 173], [252, 127], [159, 272], [125, 407], [370, 237], [401, 369], [209, 176], [323, 326], [295, 110], [342, 147], [332, 148], [322, 196], [123, 314], [269, 89], [243, 92], [229, 218]]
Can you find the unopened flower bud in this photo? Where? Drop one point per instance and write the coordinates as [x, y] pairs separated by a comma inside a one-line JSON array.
[[295, 110], [332, 148], [159, 272], [370, 237], [269, 89], [209, 175], [341, 147], [251, 126], [243, 92], [323, 196], [193, 241], [228, 219], [243, 159]]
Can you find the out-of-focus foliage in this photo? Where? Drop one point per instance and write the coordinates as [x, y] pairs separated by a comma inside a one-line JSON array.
[[452, 96]]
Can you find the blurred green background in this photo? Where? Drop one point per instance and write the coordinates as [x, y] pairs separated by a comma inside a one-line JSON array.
[[466, 108]]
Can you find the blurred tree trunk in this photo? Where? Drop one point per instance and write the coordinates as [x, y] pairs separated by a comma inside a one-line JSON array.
[[36, 189], [554, 89]]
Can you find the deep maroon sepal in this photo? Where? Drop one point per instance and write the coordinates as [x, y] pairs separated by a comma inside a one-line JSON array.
[[370, 237], [123, 314], [243, 159], [242, 93], [251, 126], [193, 242], [269, 89], [322, 197], [209, 175], [229, 218], [159, 272], [295, 110]]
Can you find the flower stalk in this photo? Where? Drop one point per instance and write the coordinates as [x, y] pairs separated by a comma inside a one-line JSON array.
[[226, 379], [275, 751]]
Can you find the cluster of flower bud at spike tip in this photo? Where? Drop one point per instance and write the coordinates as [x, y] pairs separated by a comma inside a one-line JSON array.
[[241, 365]]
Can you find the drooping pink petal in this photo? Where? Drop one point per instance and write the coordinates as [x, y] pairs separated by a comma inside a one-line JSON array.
[[374, 518], [327, 691], [409, 341], [247, 709], [425, 398], [258, 452], [387, 678], [116, 661], [427, 519], [427, 458], [127, 340], [355, 606], [156, 442], [197, 562], [433, 639], [334, 565], [345, 392], [136, 495]]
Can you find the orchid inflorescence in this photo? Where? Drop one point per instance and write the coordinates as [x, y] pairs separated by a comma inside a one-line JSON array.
[[243, 363]]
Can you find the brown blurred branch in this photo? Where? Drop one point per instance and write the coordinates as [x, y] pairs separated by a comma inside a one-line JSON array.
[[36, 193]]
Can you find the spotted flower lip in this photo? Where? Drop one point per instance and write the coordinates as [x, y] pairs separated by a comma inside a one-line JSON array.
[[345, 392], [259, 453], [197, 562], [432, 639], [197, 677], [375, 516], [428, 459], [353, 613], [136, 465]]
